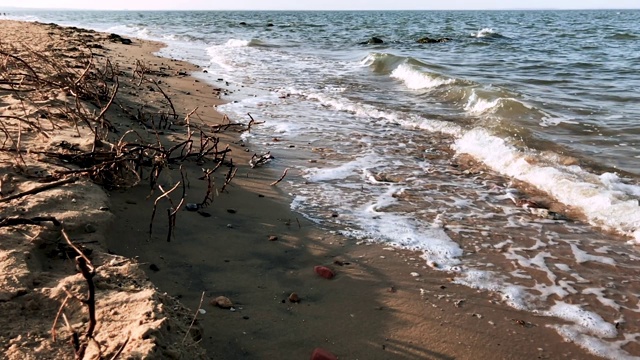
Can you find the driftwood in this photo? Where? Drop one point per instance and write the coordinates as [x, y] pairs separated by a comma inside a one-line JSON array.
[[258, 160], [281, 177]]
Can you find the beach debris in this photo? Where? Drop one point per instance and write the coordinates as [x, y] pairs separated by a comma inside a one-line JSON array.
[[273, 238], [324, 271], [294, 298], [322, 354], [202, 311], [259, 160], [222, 302], [458, 303], [523, 323], [535, 208], [415, 274]]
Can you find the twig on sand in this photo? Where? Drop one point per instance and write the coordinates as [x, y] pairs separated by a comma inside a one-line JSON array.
[[39, 189], [12, 221], [281, 177], [194, 318], [115, 356], [88, 272], [55, 321], [155, 204]]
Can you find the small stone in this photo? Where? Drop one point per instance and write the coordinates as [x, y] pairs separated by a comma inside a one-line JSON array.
[[204, 213], [415, 274], [202, 311], [154, 267], [230, 226], [245, 317], [192, 207], [90, 228], [103, 208], [222, 302], [231, 211], [273, 238], [324, 271], [294, 298], [322, 354]]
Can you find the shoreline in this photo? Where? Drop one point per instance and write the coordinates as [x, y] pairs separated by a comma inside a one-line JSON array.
[[374, 308]]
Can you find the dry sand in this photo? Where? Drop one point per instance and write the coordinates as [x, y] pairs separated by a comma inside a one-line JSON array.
[[373, 309]]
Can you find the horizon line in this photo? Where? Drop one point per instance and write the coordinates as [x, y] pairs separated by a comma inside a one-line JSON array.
[[473, 9]]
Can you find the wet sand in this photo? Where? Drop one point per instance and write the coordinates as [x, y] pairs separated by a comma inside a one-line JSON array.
[[374, 308]]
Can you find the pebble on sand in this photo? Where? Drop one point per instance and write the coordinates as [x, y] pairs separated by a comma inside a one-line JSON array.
[[222, 302], [322, 354], [273, 238], [294, 298], [324, 271]]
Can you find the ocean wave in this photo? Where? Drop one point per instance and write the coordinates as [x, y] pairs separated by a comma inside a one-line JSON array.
[[488, 33], [606, 201], [623, 36], [410, 71], [417, 80], [246, 43], [383, 63], [476, 105], [27, 18]]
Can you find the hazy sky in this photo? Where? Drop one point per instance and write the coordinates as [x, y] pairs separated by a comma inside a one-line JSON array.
[[322, 4]]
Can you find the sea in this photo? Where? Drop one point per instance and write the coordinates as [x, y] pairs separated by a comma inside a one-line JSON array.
[[507, 154]]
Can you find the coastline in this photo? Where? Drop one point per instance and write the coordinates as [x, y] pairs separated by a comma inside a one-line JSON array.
[[374, 308]]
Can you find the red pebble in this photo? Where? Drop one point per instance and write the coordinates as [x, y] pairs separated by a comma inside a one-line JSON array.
[[322, 354], [324, 271]]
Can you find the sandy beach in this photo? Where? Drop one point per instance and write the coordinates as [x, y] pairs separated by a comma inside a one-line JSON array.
[[122, 127]]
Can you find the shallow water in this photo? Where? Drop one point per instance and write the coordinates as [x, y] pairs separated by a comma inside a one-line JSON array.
[[544, 102]]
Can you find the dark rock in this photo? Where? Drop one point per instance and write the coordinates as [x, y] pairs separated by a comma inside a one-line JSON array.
[[120, 39], [154, 267], [273, 238], [270, 25], [243, 23], [372, 41], [428, 40]]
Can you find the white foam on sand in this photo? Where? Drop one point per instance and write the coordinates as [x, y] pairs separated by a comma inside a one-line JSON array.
[[604, 205], [343, 171]]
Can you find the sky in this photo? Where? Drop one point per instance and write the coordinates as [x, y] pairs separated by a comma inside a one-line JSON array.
[[323, 4]]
